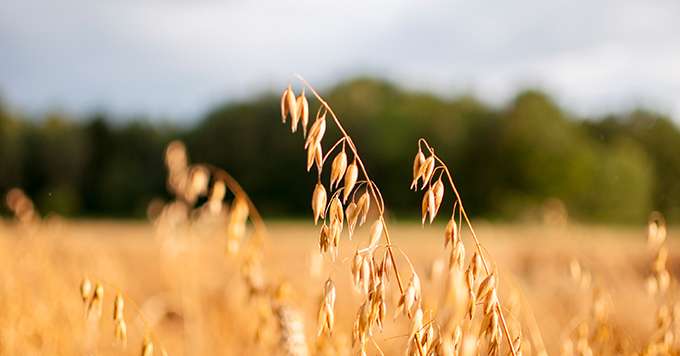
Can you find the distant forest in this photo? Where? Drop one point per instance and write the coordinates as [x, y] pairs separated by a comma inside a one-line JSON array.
[[510, 162]]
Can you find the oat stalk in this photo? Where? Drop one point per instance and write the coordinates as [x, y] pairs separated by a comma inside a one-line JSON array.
[[478, 245], [238, 191], [371, 186]]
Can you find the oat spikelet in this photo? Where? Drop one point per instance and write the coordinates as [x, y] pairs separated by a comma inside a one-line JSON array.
[[304, 114], [319, 202], [351, 176], [363, 271], [95, 307], [457, 258], [86, 289], [147, 347], [326, 313], [414, 336], [316, 132], [427, 205], [660, 279], [364, 205], [352, 213], [357, 261], [411, 297], [451, 233], [311, 155], [418, 162], [216, 197], [445, 347], [376, 234], [338, 168], [334, 236], [476, 264], [426, 171], [490, 302], [324, 238], [318, 156], [487, 285], [121, 332], [21, 206], [336, 212], [199, 176], [288, 105], [656, 230], [438, 191], [292, 341], [236, 228], [362, 329], [518, 344], [301, 114], [118, 306]]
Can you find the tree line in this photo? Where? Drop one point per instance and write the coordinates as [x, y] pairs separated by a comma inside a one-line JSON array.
[[511, 162]]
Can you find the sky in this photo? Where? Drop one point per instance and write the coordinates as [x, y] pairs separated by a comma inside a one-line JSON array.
[[178, 58]]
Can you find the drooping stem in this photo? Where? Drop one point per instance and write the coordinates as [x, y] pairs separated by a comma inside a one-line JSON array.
[[478, 245], [325, 157], [239, 192], [375, 193]]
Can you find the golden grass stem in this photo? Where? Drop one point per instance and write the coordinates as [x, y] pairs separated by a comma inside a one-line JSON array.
[[238, 191], [478, 245], [371, 186]]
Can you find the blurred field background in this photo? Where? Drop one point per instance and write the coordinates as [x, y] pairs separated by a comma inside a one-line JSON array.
[[513, 162], [198, 305]]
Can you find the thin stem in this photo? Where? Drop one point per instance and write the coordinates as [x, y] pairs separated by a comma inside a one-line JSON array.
[[382, 202], [420, 141], [372, 188], [435, 172], [328, 153], [377, 347], [239, 192], [356, 189], [478, 245], [330, 201]]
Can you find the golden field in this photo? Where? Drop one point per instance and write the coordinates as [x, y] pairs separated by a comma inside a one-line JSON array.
[[208, 276], [194, 301]]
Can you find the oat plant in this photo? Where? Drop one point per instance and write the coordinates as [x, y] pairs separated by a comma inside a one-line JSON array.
[[346, 202]]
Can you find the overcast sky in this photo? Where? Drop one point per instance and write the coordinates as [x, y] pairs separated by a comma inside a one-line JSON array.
[[176, 58]]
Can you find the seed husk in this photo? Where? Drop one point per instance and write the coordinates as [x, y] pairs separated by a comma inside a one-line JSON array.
[[338, 168], [438, 190], [426, 171], [288, 105], [418, 162], [302, 106], [319, 202], [364, 206], [350, 179], [376, 234]]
